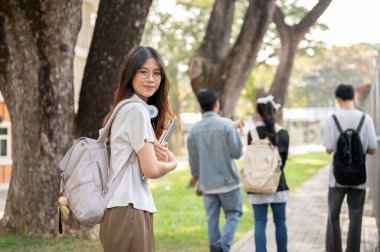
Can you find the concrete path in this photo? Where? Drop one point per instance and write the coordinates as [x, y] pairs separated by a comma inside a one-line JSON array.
[[306, 221]]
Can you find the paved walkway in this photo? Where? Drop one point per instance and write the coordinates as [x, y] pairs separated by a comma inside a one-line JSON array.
[[306, 221]]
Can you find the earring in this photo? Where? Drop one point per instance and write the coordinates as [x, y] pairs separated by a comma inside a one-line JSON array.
[[153, 111]]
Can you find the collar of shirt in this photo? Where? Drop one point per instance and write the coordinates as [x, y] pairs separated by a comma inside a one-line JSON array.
[[209, 114], [153, 112], [135, 97]]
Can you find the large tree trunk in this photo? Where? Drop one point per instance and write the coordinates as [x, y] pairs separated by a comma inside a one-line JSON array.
[[221, 68], [279, 87], [37, 41], [290, 37], [119, 27]]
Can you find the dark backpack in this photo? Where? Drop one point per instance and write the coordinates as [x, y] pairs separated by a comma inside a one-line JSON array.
[[349, 158]]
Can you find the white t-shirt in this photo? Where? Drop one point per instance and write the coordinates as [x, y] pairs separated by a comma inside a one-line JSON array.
[[224, 189], [348, 119], [130, 130], [266, 198]]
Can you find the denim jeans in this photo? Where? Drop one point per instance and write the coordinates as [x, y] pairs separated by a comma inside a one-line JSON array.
[[260, 215], [355, 202], [231, 203]]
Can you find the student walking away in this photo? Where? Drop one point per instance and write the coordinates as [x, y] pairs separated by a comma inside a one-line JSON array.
[[213, 144], [350, 135], [128, 221], [267, 129]]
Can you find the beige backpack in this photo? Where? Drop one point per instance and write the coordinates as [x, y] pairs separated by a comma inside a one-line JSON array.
[[262, 161]]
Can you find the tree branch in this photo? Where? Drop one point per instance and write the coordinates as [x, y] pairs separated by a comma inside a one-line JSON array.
[[311, 17], [256, 22], [215, 44], [279, 20]]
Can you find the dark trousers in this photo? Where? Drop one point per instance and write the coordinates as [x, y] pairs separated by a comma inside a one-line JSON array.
[[355, 201]]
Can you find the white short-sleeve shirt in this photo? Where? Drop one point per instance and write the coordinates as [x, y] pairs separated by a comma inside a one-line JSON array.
[[130, 130], [348, 119]]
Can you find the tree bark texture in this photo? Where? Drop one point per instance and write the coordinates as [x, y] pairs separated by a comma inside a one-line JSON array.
[[37, 41], [290, 37], [119, 27], [220, 67]]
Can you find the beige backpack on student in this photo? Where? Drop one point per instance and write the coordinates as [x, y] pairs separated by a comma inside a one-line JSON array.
[[262, 161]]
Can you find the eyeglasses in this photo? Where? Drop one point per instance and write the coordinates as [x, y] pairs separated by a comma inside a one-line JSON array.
[[145, 74]]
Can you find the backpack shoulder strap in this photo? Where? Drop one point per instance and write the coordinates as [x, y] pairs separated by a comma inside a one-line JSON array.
[[360, 123], [116, 181], [337, 124], [104, 132], [254, 134]]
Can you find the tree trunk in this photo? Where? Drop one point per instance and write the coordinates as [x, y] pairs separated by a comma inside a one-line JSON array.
[[37, 41], [119, 27], [279, 87], [290, 37], [221, 68]]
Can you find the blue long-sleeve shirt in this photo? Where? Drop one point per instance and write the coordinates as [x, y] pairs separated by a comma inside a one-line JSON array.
[[212, 144]]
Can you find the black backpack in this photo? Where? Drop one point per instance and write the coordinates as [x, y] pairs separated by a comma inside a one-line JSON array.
[[349, 158]]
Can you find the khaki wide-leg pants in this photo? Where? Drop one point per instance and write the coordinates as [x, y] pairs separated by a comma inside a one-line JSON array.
[[127, 229]]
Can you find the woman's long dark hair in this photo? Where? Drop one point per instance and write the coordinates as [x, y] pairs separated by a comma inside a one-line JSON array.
[[135, 58], [267, 111]]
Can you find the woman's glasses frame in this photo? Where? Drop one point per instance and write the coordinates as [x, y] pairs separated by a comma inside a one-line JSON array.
[[144, 74]]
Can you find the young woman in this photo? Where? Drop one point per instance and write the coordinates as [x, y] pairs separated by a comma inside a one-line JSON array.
[[128, 222], [266, 127]]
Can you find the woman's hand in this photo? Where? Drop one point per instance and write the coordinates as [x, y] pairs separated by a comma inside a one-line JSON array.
[[161, 151], [150, 164]]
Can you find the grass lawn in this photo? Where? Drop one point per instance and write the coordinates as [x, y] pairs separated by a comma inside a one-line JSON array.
[[180, 224]]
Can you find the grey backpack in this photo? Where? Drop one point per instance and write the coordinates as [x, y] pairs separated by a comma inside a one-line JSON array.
[[85, 177]]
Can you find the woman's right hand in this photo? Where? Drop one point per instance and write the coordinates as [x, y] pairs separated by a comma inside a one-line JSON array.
[[151, 166], [161, 151]]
